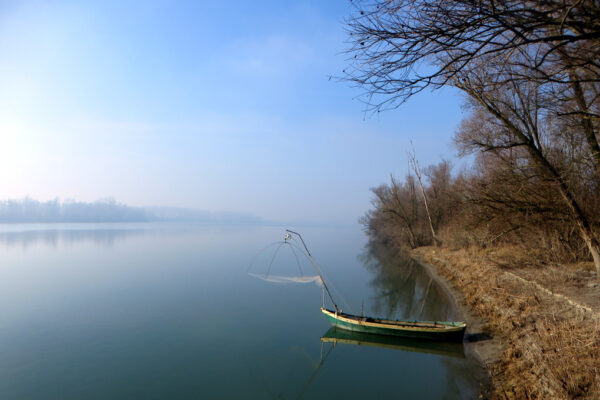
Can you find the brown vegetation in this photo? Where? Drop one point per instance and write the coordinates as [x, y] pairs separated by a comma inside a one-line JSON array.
[[492, 204], [547, 317]]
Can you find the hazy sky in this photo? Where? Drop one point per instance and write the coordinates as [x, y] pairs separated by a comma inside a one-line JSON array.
[[215, 105]]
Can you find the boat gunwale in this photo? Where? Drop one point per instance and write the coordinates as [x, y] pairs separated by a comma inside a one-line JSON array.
[[429, 326]]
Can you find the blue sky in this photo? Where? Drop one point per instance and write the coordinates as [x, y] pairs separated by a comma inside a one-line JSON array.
[[221, 106]]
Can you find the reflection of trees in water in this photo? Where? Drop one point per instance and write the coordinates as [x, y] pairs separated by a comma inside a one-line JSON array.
[[403, 287], [52, 237]]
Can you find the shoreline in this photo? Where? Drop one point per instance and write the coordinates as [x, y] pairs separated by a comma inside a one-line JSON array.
[[484, 348], [477, 340]]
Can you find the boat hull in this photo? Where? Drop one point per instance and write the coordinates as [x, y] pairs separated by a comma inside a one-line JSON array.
[[438, 331]]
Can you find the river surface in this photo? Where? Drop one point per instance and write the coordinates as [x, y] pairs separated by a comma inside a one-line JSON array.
[[155, 311]]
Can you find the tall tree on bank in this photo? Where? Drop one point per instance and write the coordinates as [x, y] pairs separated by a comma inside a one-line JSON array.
[[523, 64], [414, 163]]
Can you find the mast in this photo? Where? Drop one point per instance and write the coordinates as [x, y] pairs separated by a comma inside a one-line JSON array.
[[316, 268]]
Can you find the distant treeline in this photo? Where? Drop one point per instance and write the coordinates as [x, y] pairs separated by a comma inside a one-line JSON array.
[[108, 210], [30, 210]]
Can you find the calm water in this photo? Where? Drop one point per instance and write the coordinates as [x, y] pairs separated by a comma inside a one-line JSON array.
[[125, 311]]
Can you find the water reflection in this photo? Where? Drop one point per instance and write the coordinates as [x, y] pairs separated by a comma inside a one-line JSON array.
[[403, 287], [335, 336], [294, 372], [27, 237], [287, 372]]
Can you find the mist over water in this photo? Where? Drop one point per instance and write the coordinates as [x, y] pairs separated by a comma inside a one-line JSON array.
[[157, 310]]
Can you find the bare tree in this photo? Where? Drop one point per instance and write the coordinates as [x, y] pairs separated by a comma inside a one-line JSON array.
[[518, 109], [396, 204], [390, 39], [399, 48], [518, 62], [412, 159]]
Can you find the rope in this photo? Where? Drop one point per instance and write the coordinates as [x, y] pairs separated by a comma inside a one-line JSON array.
[[264, 249], [337, 292], [329, 280], [273, 258], [297, 260], [259, 253]]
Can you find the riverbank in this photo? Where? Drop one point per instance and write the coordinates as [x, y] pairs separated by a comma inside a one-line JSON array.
[[478, 342], [535, 328]]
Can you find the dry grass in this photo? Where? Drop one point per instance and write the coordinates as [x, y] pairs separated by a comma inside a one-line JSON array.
[[549, 324]]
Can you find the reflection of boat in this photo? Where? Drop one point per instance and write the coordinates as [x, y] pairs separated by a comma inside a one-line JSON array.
[[438, 330], [443, 331], [335, 336]]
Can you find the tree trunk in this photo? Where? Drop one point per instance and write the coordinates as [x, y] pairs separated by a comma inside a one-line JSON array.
[[415, 166], [582, 221], [583, 224], [586, 122]]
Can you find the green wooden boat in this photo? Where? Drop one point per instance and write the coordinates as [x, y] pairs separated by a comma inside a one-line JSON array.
[[431, 330]]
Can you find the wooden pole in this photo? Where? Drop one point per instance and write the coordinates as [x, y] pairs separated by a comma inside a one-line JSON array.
[[316, 268]]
